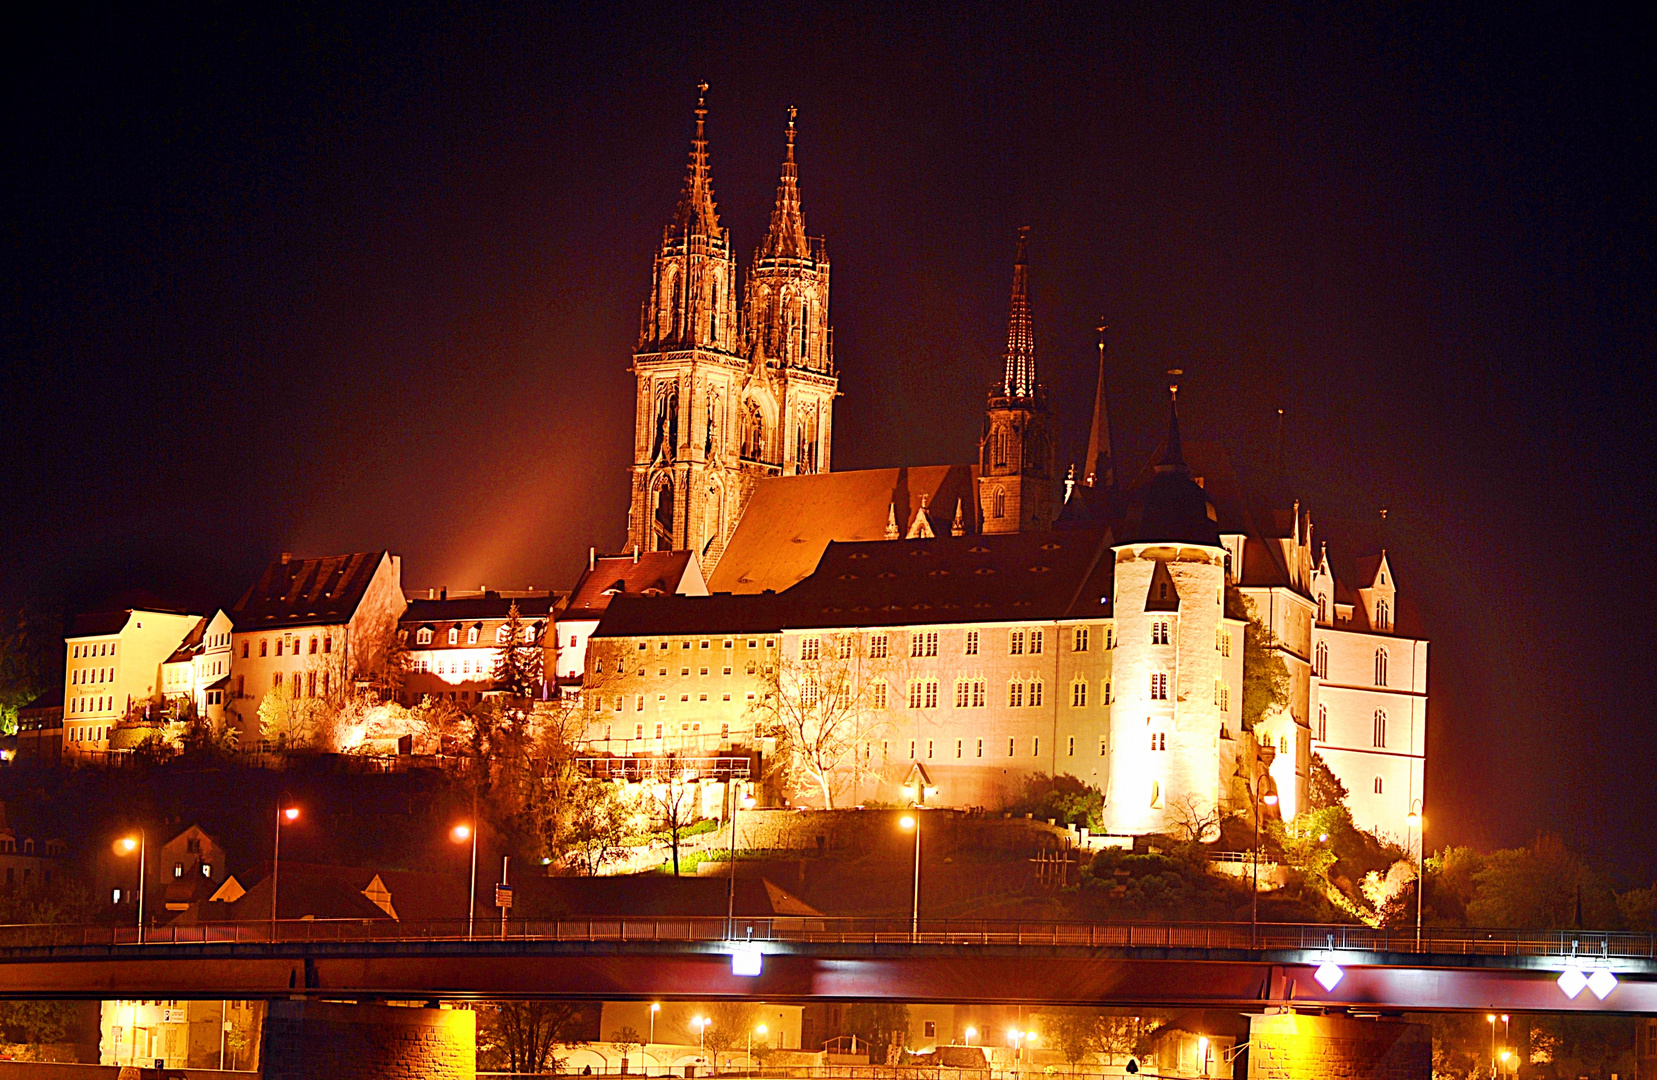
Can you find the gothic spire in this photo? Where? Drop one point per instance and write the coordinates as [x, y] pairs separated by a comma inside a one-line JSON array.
[[1100, 463], [1020, 382], [1173, 455], [696, 215], [786, 238]]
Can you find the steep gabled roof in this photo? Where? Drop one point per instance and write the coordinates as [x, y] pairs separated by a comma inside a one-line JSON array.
[[491, 606], [659, 573], [307, 592], [191, 645], [665, 616], [790, 520]]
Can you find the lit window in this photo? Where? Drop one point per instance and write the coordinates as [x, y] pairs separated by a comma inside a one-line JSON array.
[[962, 693], [1107, 698], [879, 695], [423, 636], [810, 648], [972, 643], [1035, 693], [1035, 642], [1015, 642], [1078, 694], [1078, 639], [877, 646], [1015, 695], [1159, 687], [978, 693], [1159, 633], [915, 695], [932, 693], [471, 635], [1159, 740], [1377, 785], [454, 635], [502, 634]]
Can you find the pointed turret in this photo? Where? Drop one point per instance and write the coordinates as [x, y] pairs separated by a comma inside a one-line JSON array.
[[1100, 463], [696, 214], [786, 238], [1173, 454], [1020, 381]]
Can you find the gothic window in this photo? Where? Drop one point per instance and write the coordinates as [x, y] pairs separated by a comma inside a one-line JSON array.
[[1078, 641], [1015, 695], [1380, 728], [1159, 633], [1320, 661], [805, 315], [664, 517], [667, 425], [998, 449], [1159, 687], [1380, 667], [1382, 616], [972, 643], [713, 423], [713, 315], [998, 503], [1323, 609], [1323, 723], [1078, 694]]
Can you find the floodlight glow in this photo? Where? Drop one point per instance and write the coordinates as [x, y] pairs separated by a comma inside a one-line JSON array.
[[907, 821], [291, 813], [1602, 982], [128, 844], [1328, 975], [1270, 800], [746, 962], [461, 832], [762, 1030], [1572, 982]]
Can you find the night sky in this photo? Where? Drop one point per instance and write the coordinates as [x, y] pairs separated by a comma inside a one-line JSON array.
[[320, 282]]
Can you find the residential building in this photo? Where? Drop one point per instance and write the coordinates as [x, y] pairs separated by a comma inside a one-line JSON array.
[[454, 640], [113, 668], [647, 574], [196, 676], [312, 628]]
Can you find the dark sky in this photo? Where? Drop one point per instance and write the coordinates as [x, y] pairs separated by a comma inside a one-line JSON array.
[[319, 282]]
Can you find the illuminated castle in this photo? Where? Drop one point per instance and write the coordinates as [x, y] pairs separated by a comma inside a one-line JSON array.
[[997, 627]]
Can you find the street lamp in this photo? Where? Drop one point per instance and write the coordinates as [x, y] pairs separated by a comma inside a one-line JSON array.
[[125, 846], [1418, 822], [1270, 799], [289, 814], [1492, 1020], [460, 834], [913, 821], [655, 1007], [971, 1033], [746, 803], [760, 1030], [701, 1024]]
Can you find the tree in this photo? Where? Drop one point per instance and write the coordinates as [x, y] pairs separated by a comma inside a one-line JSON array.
[[1075, 1033], [1323, 788], [519, 660], [674, 804], [1065, 799], [526, 1033], [31, 656], [733, 1024], [883, 1025], [1541, 886], [824, 708], [1265, 675], [1193, 820], [289, 720], [595, 826], [625, 1041]]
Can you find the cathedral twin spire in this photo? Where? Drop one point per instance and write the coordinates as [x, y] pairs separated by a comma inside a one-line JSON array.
[[696, 214], [1020, 381]]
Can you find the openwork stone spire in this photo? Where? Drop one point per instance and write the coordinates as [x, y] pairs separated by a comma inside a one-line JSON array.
[[1020, 383], [786, 238], [696, 215]]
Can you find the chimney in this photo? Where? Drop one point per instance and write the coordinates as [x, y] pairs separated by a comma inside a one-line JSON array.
[[287, 557], [431, 594], [444, 594], [635, 553]]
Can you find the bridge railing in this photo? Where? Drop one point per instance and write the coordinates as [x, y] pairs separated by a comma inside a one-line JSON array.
[[876, 931]]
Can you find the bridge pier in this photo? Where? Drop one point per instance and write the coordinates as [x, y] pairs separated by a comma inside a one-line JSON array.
[[306, 1039], [1291, 1046]]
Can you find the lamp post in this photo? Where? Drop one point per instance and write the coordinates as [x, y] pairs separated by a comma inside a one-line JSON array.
[[655, 1007], [913, 821], [126, 845], [747, 803], [761, 1031], [1270, 799], [460, 834], [1419, 823], [290, 813], [1492, 1019], [971, 1033], [701, 1023]]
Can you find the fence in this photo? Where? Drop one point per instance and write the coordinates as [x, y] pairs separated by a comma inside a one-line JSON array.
[[865, 931]]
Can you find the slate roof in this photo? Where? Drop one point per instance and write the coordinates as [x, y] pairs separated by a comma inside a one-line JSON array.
[[1004, 578], [191, 645], [307, 592], [615, 575], [790, 520], [665, 616], [100, 623]]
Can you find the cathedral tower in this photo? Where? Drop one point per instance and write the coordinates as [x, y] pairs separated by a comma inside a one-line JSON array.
[[788, 398], [1016, 488], [688, 365]]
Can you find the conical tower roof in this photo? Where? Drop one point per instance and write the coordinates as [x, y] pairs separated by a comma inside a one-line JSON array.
[[786, 238]]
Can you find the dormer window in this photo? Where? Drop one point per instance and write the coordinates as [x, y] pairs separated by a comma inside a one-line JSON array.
[[454, 635], [423, 636], [502, 634], [471, 635], [1383, 617]]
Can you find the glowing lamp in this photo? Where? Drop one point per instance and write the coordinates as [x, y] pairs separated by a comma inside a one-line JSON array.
[[749, 802], [655, 1006], [126, 845], [1029, 1036], [1328, 975], [971, 1033], [291, 813], [1270, 800], [746, 962], [461, 833], [1414, 819], [762, 1030], [1202, 1047], [1602, 982], [907, 821]]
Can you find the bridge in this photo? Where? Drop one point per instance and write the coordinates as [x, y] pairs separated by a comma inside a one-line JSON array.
[[1351, 969]]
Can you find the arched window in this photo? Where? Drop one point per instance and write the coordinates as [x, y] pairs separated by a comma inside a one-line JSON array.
[[713, 314], [998, 503], [1159, 686], [664, 517], [1320, 661], [805, 317], [1383, 617], [1380, 667], [1380, 728], [753, 431], [1323, 609], [1323, 723]]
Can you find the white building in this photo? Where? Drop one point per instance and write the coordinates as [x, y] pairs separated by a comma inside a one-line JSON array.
[[113, 668], [454, 640]]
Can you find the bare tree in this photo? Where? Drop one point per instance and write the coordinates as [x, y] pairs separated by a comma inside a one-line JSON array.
[[732, 1027], [674, 803], [1193, 820], [529, 1031], [825, 708], [625, 1041]]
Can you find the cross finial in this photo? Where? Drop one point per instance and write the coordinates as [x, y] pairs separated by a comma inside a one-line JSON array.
[[702, 99], [1173, 382]]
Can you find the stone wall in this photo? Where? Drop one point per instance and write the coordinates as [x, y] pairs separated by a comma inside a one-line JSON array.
[[1288, 1046], [368, 1042], [47, 1070], [863, 833]]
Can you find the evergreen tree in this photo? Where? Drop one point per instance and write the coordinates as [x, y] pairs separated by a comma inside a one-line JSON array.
[[518, 662]]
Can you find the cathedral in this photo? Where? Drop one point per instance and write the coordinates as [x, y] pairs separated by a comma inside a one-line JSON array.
[[997, 620]]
